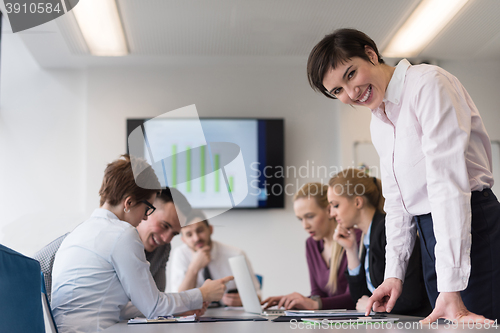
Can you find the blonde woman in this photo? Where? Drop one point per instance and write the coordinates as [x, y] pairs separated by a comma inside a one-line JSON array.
[[325, 258], [357, 204]]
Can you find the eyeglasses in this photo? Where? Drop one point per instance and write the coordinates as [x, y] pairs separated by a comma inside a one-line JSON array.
[[150, 209]]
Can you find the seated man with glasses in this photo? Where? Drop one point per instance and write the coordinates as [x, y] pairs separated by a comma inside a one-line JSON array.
[[101, 265]]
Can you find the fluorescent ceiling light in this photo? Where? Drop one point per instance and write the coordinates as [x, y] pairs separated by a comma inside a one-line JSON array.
[[426, 21], [101, 27]]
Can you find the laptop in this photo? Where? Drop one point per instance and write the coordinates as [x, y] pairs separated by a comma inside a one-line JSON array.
[[246, 288]]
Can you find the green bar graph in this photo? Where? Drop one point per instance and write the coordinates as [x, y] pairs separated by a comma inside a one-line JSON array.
[[188, 169], [174, 166], [202, 169], [217, 173]]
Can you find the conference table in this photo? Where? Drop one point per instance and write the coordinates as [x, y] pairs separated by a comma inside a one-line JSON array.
[[404, 324]]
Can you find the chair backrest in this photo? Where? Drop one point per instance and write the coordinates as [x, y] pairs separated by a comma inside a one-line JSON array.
[[46, 257], [259, 278], [20, 284], [48, 318]]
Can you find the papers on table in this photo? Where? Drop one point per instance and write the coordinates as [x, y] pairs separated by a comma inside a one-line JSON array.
[[161, 319], [329, 313], [358, 321]]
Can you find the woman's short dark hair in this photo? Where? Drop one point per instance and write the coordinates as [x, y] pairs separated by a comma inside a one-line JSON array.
[[334, 49], [119, 181]]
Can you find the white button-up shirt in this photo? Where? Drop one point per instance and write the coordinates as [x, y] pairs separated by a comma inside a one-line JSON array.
[[218, 266], [434, 150], [98, 269], [355, 271]]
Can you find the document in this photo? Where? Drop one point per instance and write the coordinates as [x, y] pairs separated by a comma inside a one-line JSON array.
[[359, 321], [326, 313], [162, 319]]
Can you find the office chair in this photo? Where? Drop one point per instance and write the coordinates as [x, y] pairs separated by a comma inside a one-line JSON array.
[[259, 278], [48, 318], [21, 308]]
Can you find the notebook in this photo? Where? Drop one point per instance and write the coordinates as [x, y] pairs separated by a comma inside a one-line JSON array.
[[246, 288], [162, 319]]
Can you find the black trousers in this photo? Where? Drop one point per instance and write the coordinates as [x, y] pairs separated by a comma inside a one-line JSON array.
[[482, 295]]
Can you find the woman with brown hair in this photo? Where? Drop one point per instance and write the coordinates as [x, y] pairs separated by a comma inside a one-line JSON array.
[[101, 265], [325, 258], [357, 204]]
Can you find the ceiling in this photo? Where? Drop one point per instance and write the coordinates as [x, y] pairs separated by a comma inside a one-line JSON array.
[[167, 31]]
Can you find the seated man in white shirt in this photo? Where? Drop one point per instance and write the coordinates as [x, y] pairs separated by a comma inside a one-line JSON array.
[[201, 258]]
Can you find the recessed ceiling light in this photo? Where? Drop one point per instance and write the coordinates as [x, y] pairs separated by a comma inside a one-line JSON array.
[[101, 27], [426, 21]]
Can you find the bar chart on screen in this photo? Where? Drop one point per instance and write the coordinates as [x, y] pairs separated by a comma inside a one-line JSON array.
[[205, 169]]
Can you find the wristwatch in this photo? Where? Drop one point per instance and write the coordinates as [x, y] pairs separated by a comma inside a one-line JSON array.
[[317, 299]]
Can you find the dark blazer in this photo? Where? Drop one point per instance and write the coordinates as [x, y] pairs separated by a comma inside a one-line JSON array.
[[413, 299]]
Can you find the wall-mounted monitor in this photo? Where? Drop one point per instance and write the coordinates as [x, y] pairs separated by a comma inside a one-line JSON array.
[[206, 172]]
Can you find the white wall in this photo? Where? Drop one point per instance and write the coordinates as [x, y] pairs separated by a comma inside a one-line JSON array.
[[42, 128], [355, 127]]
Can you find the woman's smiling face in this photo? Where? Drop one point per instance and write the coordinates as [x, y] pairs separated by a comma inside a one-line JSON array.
[[357, 81]]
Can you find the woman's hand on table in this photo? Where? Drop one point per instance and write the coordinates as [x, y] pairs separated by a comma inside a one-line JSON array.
[[291, 301], [450, 306]]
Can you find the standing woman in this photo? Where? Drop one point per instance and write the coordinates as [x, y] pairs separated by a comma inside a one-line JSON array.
[[356, 202], [435, 158], [325, 258]]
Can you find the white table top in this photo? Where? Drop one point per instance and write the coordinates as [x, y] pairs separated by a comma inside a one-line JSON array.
[[405, 324]]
